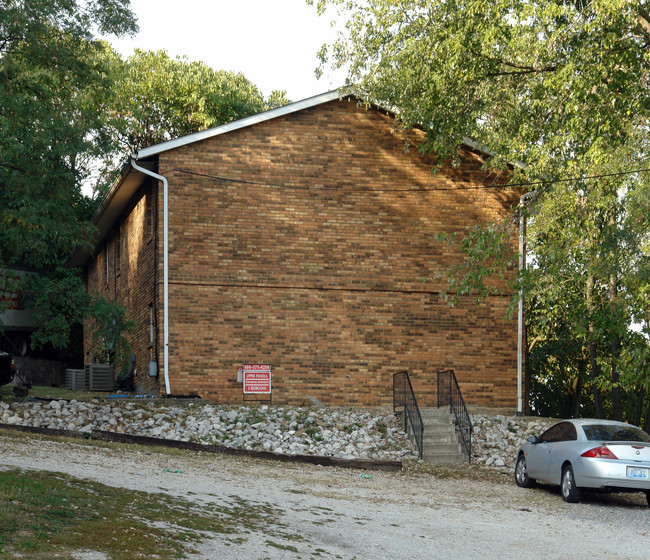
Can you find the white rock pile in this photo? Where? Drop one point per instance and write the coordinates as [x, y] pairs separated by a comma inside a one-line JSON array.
[[496, 439], [341, 433], [334, 432]]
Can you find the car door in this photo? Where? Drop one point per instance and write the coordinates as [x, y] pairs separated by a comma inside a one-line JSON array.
[[545, 452], [561, 450]]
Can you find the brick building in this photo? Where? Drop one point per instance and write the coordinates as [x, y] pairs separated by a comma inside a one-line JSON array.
[[305, 238]]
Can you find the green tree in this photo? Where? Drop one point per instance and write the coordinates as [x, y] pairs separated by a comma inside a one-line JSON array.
[[53, 78], [156, 98], [561, 88], [109, 331]]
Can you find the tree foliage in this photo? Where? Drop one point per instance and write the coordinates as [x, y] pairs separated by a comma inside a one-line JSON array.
[[108, 334], [53, 78], [559, 87], [158, 98], [523, 77], [70, 108]]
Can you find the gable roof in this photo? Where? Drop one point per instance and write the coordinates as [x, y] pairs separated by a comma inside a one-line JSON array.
[[241, 123], [130, 180]]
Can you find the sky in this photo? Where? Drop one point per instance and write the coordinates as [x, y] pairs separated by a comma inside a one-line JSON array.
[[274, 43]]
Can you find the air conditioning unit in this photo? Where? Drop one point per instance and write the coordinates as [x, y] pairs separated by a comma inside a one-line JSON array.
[[75, 379], [99, 377]]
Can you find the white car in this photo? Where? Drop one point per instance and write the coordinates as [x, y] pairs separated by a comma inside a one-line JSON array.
[[592, 454]]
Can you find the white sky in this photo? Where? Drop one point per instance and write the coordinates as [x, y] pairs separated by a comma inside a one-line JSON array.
[[274, 43]]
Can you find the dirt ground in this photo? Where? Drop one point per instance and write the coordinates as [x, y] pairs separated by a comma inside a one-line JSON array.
[[330, 512]]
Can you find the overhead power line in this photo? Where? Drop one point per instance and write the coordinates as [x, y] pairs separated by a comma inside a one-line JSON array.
[[426, 189]]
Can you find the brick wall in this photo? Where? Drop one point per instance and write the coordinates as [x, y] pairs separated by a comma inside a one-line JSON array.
[[309, 242], [130, 280]]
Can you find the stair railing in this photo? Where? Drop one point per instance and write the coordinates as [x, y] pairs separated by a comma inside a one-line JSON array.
[[449, 394], [404, 398]]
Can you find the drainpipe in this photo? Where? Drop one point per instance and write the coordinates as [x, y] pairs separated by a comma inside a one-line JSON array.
[[165, 265], [525, 199]]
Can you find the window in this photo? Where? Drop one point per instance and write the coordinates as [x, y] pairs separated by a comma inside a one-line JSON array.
[[118, 250], [104, 265], [100, 267], [614, 432], [564, 431], [149, 215]]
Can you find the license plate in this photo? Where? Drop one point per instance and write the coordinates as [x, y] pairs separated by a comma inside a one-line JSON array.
[[637, 473]]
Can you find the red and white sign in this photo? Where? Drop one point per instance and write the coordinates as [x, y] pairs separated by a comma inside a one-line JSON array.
[[257, 378]]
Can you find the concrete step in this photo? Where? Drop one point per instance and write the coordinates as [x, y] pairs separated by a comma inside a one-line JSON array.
[[430, 438], [440, 440], [442, 459], [436, 416], [443, 448]]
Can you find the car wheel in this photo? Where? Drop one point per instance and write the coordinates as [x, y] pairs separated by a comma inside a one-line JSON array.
[[521, 473], [570, 492], [647, 497]]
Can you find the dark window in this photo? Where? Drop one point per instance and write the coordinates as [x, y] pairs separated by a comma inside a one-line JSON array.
[[118, 250], [604, 432], [107, 263], [564, 431], [149, 214]]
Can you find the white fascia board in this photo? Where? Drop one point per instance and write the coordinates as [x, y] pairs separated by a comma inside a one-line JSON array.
[[481, 148], [241, 123]]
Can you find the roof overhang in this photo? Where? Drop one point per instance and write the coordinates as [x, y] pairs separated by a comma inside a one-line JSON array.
[[130, 180], [242, 123], [116, 200]]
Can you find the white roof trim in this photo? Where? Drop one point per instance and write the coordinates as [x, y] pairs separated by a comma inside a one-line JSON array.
[[241, 123]]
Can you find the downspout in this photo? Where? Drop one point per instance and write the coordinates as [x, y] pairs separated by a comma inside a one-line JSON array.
[[165, 266], [525, 199]]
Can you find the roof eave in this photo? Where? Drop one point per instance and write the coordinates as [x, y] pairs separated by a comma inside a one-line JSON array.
[[242, 123], [118, 197]]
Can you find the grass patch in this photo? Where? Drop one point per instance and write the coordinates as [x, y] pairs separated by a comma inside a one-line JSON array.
[[477, 473], [153, 450], [43, 392], [282, 546], [43, 515], [349, 428]]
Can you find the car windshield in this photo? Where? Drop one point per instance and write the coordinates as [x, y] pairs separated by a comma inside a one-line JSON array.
[[611, 432]]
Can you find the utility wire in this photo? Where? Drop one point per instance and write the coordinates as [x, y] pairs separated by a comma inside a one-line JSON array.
[[427, 189]]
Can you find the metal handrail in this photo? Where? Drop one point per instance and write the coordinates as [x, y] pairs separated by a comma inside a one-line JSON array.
[[449, 391], [404, 397]]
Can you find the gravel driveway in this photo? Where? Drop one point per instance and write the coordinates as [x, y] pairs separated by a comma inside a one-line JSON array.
[[414, 514]]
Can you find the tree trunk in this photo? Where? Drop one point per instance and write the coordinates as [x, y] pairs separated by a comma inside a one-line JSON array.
[[593, 351], [577, 391], [617, 399], [639, 405]]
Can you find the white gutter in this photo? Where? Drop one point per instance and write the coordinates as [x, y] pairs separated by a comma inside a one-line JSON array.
[[165, 266], [525, 199]]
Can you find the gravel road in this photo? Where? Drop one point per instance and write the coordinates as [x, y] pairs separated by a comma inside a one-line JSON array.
[[413, 514]]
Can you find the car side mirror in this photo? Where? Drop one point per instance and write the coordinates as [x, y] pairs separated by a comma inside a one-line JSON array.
[[532, 439]]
